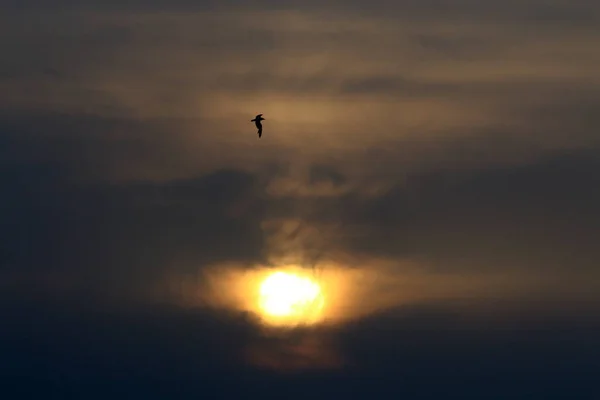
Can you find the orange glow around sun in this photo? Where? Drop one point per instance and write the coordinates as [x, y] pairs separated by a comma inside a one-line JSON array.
[[291, 296]]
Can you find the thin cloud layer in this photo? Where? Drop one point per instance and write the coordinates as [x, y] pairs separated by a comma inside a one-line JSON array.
[[335, 89]]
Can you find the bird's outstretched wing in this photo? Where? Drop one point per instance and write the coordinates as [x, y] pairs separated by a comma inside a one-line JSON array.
[[257, 121]]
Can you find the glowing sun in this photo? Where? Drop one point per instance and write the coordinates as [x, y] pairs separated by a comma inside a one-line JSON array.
[[286, 298]]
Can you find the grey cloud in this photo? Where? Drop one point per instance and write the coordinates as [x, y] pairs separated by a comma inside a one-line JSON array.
[[537, 217], [504, 215], [168, 61], [88, 145], [537, 10], [122, 239], [541, 216], [320, 173]]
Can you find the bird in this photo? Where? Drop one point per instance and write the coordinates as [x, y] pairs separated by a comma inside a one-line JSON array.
[[256, 121]]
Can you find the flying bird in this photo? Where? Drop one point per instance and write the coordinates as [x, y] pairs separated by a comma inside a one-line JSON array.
[[256, 121]]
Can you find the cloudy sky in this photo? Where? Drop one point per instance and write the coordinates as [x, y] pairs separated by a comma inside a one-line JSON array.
[[433, 165]]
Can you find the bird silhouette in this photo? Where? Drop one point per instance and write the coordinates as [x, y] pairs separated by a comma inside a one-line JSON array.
[[256, 121]]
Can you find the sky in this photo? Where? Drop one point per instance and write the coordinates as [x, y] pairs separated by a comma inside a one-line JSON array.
[[432, 167]]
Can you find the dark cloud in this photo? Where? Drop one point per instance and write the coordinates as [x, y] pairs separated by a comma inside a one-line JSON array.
[[533, 10], [542, 215], [63, 217], [420, 353], [433, 347], [319, 173]]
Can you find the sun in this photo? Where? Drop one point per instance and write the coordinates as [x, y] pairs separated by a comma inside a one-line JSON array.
[[290, 299]]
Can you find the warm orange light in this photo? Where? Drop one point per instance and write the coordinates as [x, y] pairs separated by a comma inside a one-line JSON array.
[[290, 295], [289, 299]]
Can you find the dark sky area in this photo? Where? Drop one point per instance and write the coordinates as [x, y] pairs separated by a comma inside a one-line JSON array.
[[436, 163]]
